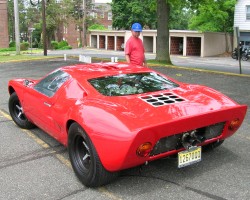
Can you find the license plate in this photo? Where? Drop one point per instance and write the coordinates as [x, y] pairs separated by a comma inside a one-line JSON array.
[[189, 157]]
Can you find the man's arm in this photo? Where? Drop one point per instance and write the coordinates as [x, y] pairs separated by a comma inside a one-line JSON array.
[[145, 62], [127, 58]]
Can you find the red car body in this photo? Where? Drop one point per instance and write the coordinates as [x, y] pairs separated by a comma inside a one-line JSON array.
[[118, 125]]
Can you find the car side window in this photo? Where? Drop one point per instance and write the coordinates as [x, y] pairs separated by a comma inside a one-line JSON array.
[[51, 83]]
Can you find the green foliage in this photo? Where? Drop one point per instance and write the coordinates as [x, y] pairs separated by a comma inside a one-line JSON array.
[[66, 47], [12, 44], [8, 49], [125, 13], [62, 44], [54, 45], [24, 46], [179, 18], [97, 27], [214, 15]]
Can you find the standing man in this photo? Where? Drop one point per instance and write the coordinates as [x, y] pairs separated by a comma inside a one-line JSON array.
[[134, 49]]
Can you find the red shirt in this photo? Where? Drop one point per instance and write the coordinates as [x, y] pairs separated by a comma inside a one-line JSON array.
[[135, 49]]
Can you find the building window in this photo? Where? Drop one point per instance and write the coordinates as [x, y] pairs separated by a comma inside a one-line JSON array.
[[93, 14], [102, 15], [110, 27], [109, 16], [65, 30], [248, 13]]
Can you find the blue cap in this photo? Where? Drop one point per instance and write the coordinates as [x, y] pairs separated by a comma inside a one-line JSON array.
[[136, 27]]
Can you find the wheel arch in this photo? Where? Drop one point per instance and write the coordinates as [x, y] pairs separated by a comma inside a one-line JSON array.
[[11, 90], [68, 124]]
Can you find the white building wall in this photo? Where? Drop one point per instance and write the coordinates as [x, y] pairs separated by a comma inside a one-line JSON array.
[[215, 43], [212, 44], [240, 15]]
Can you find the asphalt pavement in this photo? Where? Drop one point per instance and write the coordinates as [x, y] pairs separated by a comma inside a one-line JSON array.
[[35, 166], [215, 63]]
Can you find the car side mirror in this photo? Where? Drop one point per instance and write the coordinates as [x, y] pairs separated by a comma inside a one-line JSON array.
[[27, 82]]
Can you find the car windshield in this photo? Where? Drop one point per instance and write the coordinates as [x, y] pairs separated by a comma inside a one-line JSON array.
[[128, 84]]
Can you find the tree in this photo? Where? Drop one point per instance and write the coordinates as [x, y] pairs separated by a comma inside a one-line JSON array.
[[126, 12], [162, 14], [162, 43], [23, 19], [164, 10], [81, 15], [215, 16]]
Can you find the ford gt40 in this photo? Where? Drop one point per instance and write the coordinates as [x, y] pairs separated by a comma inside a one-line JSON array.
[[113, 116]]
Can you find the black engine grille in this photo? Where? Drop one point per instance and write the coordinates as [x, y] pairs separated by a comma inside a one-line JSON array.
[[174, 142], [162, 99]]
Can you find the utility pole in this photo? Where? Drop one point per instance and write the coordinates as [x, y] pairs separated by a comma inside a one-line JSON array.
[[17, 32], [35, 3], [44, 28], [84, 28], [238, 46]]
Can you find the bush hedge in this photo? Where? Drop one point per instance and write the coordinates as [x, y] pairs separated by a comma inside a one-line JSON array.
[[24, 46], [60, 45]]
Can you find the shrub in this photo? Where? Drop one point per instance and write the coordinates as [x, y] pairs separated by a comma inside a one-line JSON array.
[[24, 46], [62, 44], [97, 27], [66, 47], [54, 45], [12, 44]]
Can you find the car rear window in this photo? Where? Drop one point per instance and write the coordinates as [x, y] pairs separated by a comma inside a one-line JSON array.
[[129, 84]]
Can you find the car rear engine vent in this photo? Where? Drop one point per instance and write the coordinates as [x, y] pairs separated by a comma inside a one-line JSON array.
[[162, 99]]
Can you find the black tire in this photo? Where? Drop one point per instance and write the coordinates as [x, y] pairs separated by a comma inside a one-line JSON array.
[[244, 57], [85, 160], [16, 112], [234, 56], [212, 146]]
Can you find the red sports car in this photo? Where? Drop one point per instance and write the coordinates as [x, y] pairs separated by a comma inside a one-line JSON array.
[[113, 116]]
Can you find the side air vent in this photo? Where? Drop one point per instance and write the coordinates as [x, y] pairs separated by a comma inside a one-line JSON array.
[[162, 99]]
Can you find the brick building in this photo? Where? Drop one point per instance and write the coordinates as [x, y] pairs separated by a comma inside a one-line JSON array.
[[4, 35], [99, 12]]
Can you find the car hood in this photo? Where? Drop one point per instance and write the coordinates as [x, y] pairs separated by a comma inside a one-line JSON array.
[[151, 109]]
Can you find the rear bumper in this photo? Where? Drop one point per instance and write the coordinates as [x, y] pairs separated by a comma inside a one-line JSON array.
[[154, 134]]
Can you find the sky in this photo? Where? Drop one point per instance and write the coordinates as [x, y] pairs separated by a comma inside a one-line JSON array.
[[103, 1]]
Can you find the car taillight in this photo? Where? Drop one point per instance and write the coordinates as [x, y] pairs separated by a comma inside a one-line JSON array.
[[234, 124], [144, 149]]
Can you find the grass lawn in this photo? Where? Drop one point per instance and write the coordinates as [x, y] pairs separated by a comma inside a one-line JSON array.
[[10, 56]]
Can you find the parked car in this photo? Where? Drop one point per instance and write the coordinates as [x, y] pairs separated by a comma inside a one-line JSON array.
[[114, 116]]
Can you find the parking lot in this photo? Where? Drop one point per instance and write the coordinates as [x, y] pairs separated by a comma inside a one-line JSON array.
[[35, 166]]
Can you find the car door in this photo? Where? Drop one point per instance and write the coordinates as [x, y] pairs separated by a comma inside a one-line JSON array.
[[40, 99]]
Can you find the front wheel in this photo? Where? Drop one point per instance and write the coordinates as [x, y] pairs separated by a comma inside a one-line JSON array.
[[234, 56], [17, 114], [85, 160]]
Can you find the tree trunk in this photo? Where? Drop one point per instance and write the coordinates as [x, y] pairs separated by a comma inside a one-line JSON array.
[[162, 43], [226, 40]]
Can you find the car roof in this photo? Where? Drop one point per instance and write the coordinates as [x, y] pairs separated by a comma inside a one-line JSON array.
[[95, 70]]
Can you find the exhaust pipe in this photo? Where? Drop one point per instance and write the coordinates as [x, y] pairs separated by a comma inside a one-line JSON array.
[[191, 139]]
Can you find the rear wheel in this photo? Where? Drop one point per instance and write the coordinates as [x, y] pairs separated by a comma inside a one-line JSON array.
[[85, 160], [17, 114]]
